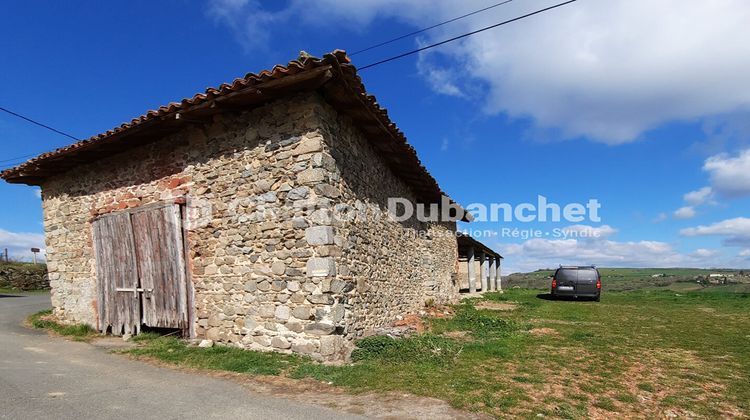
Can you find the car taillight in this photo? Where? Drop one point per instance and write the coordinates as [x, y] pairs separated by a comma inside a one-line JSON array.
[[599, 283], [554, 283]]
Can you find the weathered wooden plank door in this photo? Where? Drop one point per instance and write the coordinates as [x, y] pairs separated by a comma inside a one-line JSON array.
[[161, 266], [116, 268]]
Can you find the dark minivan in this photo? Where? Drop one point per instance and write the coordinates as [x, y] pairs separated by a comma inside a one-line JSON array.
[[577, 282]]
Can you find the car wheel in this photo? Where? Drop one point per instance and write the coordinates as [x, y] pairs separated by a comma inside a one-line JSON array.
[[598, 298]]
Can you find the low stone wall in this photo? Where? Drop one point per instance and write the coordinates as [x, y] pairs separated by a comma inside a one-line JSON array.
[[23, 276]]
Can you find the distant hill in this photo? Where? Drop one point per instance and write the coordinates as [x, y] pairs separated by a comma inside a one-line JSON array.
[[619, 279]]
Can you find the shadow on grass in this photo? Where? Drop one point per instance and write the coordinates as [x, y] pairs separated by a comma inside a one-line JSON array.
[[549, 296]]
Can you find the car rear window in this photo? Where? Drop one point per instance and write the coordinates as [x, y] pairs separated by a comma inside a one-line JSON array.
[[587, 275], [576, 274], [567, 274]]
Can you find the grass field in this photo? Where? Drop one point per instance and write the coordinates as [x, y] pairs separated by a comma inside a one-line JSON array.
[[648, 353], [666, 349], [623, 279]]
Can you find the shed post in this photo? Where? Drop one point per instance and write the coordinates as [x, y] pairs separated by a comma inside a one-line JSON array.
[[470, 270], [499, 277], [493, 273], [483, 270]]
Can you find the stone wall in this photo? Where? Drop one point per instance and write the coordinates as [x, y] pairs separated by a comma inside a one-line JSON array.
[[23, 276], [396, 267], [270, 268]]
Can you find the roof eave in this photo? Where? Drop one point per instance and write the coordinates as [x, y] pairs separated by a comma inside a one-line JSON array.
[[348, 95]]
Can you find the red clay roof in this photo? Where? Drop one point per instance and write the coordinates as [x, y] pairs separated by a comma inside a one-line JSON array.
[[333, 75]]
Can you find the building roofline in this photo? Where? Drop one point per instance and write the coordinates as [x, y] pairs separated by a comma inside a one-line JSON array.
[[465, 241], [333, 76]]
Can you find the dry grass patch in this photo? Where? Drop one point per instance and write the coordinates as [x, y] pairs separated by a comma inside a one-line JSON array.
[[543, 331], [496, 306], [458, 335]]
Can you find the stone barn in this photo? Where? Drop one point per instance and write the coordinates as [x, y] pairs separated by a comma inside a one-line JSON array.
[[254, 215]]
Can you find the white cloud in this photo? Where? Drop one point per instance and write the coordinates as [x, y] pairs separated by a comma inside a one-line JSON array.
[[248, 21], [745, 253], [735, 231], [606, 70], [698, 197], [539, 253], [686, 212], [586, 231], [19, 244], [611, 70], [660, 217], [439, 79], [730, 175], [694, 199], [705, 253]]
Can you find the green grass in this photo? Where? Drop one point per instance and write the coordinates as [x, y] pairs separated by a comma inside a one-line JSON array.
[[605, 403], [145, 337], [78, 332], [481, 323], [626, 398], [428, 349], [646, 387], [175, 351], [636, 353]]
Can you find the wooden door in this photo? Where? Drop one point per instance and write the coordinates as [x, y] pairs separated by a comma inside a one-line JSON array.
[[116, 270], [161, 266], [141, 274]]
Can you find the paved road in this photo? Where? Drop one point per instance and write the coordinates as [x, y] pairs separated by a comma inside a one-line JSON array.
[[43, 377]]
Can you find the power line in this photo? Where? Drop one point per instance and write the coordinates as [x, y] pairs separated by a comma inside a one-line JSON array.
[[38, 123], [429, 27], [17, 158], [408, 53], [20, 159], [16, 161], [13, 165]]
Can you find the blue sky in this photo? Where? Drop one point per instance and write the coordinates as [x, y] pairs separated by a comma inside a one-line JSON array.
[[635, 105]]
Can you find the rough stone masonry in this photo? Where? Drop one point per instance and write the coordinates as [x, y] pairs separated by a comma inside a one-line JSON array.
[[272, 262]]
